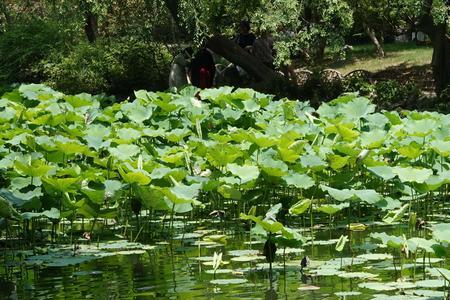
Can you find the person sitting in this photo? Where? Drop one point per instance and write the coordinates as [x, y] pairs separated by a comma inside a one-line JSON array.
[[245, 39], [202, 69], [263, 49], [178, 76]]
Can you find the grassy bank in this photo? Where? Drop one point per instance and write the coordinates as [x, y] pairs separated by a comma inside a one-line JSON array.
[[363, 57]]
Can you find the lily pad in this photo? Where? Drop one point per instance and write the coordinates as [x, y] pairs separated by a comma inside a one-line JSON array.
[[309, 288], [242, 252], [377, 286], [375, 256], [347, 294], [430, 283], [247, 258], [360, 275], [219, 271], [228, 281]]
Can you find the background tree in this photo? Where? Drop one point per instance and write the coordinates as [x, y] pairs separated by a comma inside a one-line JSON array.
[[434, 20]]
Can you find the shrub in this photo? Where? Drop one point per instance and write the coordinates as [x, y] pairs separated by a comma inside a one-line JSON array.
[[358, 84], [392, 92], [115, 67], [23, 45]]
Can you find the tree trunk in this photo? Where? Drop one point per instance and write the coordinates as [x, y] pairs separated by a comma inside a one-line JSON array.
[[235, 54], [371, 33], [319, 51], [91, 26], [441, 58], [173, 6], [441, 46]]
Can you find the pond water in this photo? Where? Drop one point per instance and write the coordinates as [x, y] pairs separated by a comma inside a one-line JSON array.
[[179, 270]]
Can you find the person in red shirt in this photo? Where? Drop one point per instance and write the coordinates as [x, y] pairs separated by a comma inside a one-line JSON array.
[[202, 69]]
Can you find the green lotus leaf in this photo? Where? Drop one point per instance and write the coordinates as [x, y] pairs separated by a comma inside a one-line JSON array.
[[53, 213], [124, 152], [412, 151], [263, 141], [301, 181], [11, 198], [389, 240], [338, 162], [273, 211], [138, 177], [129, 134], [341, 243], [411, 174], [421, 243], [384, 172], [220, 155], [136, 112], [177, 135], [373, 139], [87, 208], [231, 114], [246, 172], [434, 182], [79, 100], [312, 161], [153, 198], [288, 155], [182, 194], [332, 209], [272, 167], [72, 148], [7, 114], [293, 235], [229, 192], [441, 147], [165, 105], [300, 207], [395, 215], [251, 106], [420, 128], [61, 185], [95, 135], [347, 133], [357, 108], [441, 232], [339, 195], [95, 195], [368, 196], [37, 168]]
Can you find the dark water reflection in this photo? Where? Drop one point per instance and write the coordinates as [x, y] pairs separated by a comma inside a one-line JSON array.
[[169, 272]]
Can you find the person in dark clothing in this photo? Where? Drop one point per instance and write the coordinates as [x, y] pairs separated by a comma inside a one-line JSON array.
[[245, 39], [202, 69]]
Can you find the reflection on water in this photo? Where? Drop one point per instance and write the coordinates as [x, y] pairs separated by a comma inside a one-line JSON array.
[[170, 272]]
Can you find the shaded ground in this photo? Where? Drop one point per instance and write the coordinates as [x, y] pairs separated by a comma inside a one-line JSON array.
[[404, 62], [421, 75]]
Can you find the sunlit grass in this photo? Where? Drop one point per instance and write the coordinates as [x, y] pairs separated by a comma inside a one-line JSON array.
[[363, 57]]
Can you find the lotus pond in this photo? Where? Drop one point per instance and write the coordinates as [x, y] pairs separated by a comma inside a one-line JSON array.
[[221, 193]]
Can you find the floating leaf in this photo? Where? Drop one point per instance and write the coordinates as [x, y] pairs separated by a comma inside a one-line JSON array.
[[228, 281]]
